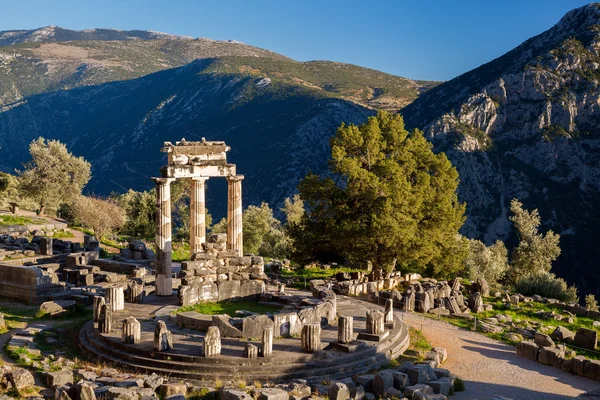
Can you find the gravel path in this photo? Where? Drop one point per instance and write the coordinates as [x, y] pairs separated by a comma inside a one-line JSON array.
[[490, 368]]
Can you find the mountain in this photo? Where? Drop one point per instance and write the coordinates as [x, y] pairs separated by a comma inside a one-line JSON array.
[[526, 125], [114, 97]]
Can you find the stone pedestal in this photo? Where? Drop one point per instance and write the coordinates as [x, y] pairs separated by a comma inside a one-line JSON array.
[[164, 267], [375, 327], [105, 319], [163, 340], [116, 298], [98, 303], [212, 342], [375, 322], [234, 214], [388, 315], [408, 302], [132, 331], [46, 246], [197, 214], [311, 338], [2, 322], [281, 288], [345, 329], [267, 342], [250, 351], [135, 291]]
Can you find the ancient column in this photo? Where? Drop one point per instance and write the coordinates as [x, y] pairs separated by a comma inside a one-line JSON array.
[[250, 351], [135, 291], [234, 214], [98, 303], [163, 340], [2, 322], [267, 342], [310, 338], [116, 298], [345, 329], [197, 215], [389, 311], [212, 342], [375, 324], [105, 319], [164, 279], [132, 331]]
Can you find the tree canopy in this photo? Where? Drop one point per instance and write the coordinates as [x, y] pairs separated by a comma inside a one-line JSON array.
[[535, 251], [101, 215], [389, 199], [53, 175]]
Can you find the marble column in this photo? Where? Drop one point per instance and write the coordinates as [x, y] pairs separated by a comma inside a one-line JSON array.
[[345, 329], [164, 280], [234, 214], [197, 215]]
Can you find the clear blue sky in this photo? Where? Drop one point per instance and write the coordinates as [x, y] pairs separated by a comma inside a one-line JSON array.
[[418, 39]]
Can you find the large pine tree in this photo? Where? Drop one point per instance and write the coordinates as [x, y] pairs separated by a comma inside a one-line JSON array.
[[389, 199]]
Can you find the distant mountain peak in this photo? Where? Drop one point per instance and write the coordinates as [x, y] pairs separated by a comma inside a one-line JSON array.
[[53, 33]]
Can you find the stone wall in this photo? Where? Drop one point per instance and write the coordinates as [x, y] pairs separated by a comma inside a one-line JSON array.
[[29, 284]]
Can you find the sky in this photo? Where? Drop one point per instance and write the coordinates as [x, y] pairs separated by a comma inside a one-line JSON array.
[[429, 40]]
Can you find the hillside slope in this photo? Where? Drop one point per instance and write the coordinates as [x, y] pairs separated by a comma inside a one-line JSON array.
[[526, 125]]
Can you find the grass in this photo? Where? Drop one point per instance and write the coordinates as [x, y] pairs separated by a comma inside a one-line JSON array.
[[11, 220], [525, 314], [181, 252], [62, 234], [229, 308]]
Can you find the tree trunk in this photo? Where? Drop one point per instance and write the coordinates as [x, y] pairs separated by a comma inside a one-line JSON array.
[[42, 208]]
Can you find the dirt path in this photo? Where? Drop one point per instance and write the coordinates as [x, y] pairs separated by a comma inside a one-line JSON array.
[[490, 368]]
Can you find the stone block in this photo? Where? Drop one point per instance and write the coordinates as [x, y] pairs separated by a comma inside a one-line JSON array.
[[528, 350], [400, 379], [254, 325], [366, 381], [382, 382], [228, 290], [420, 373], [230, 394], [225, 327], [287, 324], [59, 378], [591, 369], [338, 391], [271, 394], [412, 390], [586, 338], [551, 356], [441, 386], [543, 340], [562, 333]]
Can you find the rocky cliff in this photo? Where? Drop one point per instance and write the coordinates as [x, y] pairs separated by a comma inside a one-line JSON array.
[[526, 125]]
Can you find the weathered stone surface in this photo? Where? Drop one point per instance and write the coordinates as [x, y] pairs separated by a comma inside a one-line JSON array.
[[254, 325], [163, 339], [116, 298], [132, 331], [586, 338], [338, 391], [375, 324], [311, 338], [230, 394], [389, 311], [56, 307], [420, 373], [475, 302], [287, 324], [591, 369], [271, 394], [20, 378], [212, 342], [382, 382], [482, 287], [225, 327], [422, 302], [86, 392], [169, 389], [267, 342], [345, 329], [105, 319], [366, 381], [135, 291], [2, 322], [420, 388], [543, 340], [250, 351], [442, 386], [562, 333], [528, 350], [59, 378], [98, 303], [408, 302], [551, 356]]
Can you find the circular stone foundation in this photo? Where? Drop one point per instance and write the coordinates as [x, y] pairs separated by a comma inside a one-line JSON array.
[[287, 361]]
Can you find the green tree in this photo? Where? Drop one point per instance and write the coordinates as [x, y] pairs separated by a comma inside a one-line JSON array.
[[263, 233], [140, 208], [486, 262], [293, 208], [590, 302], [390, 200], [535, 251], [53, 175]]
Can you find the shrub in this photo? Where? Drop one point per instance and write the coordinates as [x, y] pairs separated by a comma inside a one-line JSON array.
[[546, 285], [459, 385], [590, 302]]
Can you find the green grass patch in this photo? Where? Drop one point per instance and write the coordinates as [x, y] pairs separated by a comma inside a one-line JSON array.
[[11, 220], [62, 234], [181, 252], [229, 308]]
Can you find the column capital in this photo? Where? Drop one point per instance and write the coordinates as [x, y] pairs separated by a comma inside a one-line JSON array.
[[235, 178], [199, 178], [163, 181]]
